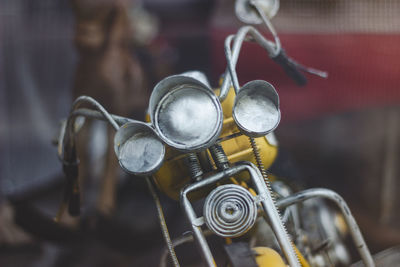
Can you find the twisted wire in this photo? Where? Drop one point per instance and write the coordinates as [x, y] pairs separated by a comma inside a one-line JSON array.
[[260, 165], [163, 224]]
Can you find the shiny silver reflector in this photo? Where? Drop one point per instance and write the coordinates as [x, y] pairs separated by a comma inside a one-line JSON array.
[[138, 148], [186, 113], [256, 108], [248, 14]]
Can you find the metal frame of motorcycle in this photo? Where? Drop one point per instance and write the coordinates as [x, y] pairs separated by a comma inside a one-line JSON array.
[[114, 120], [263, 198], [286, 202], [355, 232]]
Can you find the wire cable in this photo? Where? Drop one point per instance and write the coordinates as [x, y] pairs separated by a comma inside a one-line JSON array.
[[163, 224]]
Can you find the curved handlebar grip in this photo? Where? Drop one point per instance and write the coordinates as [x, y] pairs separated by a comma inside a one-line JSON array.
[[290, 67]]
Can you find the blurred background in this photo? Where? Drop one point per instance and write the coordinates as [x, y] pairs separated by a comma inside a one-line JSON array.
[[341, 133]]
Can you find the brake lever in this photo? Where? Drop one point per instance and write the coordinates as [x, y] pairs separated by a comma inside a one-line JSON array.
[[293, 69], [289, 65]]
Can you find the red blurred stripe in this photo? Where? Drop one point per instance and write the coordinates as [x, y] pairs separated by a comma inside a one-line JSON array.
[[364, 71]]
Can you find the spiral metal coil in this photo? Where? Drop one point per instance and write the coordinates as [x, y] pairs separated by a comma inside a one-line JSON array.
[[230, 211]]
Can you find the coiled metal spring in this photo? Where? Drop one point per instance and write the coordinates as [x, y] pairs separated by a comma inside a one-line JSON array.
[[196, 172], [219, 156], [264, 174], [230, 211]]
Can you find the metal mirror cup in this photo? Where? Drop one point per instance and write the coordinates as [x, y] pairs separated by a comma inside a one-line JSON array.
[[256, 108], [248, 14], [186, 113], [138, 148]]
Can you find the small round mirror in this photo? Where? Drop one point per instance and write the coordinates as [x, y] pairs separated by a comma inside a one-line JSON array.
[[249, 15]]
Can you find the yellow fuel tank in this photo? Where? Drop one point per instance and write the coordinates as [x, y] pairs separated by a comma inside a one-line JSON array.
[[174, 172], [267, 257]]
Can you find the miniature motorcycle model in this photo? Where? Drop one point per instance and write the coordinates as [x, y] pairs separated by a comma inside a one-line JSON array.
[[214, 146]]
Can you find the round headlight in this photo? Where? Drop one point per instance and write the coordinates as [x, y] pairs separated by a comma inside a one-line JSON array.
[[256, 108], [138, 148], [186, 113]]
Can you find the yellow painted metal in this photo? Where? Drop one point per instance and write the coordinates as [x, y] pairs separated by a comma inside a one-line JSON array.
[[302, 260], [267, 257], [174, 174]]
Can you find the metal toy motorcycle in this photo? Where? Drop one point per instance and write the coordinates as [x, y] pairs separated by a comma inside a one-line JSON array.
[[215, 146]]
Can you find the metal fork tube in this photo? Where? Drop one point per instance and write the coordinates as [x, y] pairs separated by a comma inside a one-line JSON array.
[[273, 215], [197, 232]]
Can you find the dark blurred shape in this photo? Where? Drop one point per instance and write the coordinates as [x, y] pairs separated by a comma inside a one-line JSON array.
[[37, 63], [387, 258], [356, 154]]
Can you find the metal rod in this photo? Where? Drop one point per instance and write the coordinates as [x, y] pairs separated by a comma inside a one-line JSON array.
[[163, 224], [69, 132], [267, 184], [87, 99], [263, 196], [351, 223], [273, 215], [94, 114], [185, 238], [232, 55], [268, 23]]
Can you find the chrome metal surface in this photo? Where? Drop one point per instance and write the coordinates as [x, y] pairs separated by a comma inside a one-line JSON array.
[[87, 99], [245, 11], [232, 55], [256, 108], [138, 149], [259, 6], [186, 113], [283, 190], [69, 132], [196, 172], [198, 75], [323, 225], [261, 168], [219, 156], [339, 201], [262, 196], [230, 210], [89, 113], [271, 139]]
